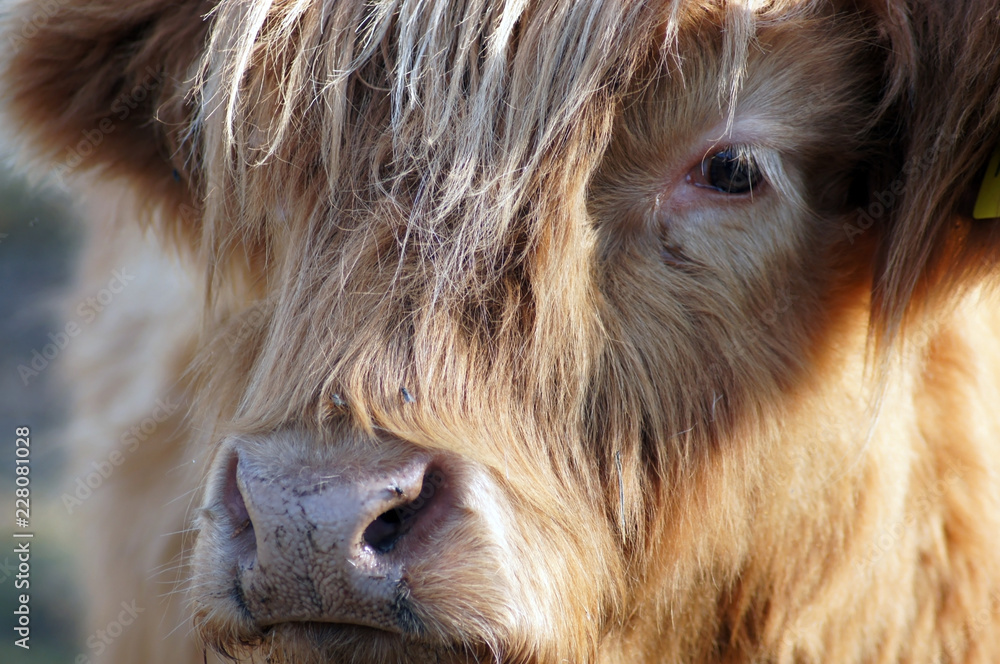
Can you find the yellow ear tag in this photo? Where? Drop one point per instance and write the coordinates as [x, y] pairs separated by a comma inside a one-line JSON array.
[[988, 201]]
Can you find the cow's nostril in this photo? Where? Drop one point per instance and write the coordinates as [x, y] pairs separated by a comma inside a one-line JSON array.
[[384, 532]]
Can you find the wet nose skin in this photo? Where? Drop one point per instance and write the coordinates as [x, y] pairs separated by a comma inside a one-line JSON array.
[[330, 544]]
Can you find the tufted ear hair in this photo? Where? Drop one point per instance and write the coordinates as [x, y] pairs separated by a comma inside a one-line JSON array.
[[944, 88], [102, 87]]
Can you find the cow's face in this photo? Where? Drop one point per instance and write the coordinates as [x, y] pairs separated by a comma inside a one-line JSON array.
[[506, 303], [461, 417]]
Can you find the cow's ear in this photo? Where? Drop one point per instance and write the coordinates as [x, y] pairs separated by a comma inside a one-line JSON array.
[[946, 125], [102, 86]]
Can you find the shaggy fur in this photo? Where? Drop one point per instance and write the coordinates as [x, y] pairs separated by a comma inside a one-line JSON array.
[[687, 425]]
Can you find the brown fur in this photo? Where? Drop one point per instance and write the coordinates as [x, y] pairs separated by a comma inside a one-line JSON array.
[[693, 427]]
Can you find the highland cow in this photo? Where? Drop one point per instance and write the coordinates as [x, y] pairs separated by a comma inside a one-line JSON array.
[[532, 331]]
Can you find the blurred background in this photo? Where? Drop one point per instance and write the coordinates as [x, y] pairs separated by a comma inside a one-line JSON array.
[[38, 247]]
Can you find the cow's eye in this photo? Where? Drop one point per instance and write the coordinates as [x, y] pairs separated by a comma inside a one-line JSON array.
[[730, 171]]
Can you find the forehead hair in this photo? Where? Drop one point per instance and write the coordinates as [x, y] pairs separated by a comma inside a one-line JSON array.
[[431, 160], [440, 110]]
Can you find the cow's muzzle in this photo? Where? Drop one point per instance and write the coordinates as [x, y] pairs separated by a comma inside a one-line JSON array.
[[326, 540]]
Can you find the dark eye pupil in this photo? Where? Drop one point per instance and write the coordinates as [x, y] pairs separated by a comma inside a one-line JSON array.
[[731, 173]]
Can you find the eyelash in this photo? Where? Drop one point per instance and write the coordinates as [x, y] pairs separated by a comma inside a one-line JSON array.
[[732, 171]]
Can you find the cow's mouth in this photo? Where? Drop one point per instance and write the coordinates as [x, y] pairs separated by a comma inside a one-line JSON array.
[[400, 619], [309, 642]]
